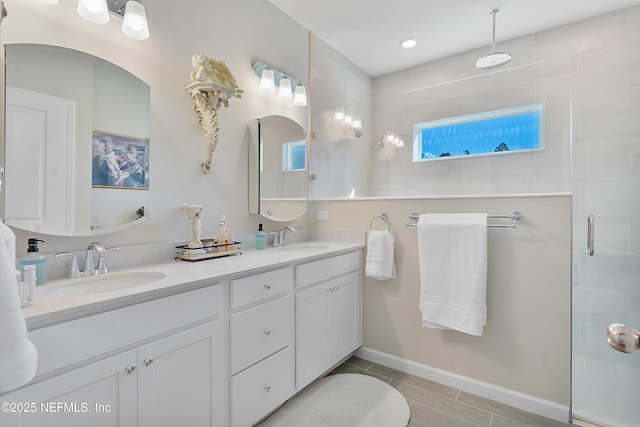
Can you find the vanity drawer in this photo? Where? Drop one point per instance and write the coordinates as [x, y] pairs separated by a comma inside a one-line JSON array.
[[261, 331], [262, 388], [260, 286], [64, 344], [328, 268]]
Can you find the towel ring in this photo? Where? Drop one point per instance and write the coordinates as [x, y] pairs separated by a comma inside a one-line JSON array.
[[383, 216]]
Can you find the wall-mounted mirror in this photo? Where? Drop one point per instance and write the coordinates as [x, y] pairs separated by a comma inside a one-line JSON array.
[[277, 168], [76, 143]]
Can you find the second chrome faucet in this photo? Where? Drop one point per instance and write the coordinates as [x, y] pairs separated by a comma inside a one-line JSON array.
[[90, 268], [279, 237]]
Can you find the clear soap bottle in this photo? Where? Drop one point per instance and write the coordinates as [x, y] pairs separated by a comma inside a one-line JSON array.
[[32, 257], [261, 238], [222, 235]]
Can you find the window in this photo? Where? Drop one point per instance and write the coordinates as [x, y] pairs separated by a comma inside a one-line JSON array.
[[502, 131], [294, 156]]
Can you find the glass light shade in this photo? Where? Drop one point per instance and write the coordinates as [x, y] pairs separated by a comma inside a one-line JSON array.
[[348, 118], [284, 89], [267, 84], [300, 95], [95, 11], [357, 122], [338, 114], [48, 1], [135, 24], [409, 42]]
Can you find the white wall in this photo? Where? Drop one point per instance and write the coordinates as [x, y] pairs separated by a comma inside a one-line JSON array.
[[236, 31]]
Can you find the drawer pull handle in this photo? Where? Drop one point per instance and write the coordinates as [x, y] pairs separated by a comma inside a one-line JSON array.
[[267, 388], [148, 361], [267, 286], [267, 332], [130, 369]]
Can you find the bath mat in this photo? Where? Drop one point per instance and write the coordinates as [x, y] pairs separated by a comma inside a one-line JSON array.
[[343, 400]]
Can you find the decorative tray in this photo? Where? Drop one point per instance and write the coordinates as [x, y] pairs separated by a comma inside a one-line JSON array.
[[209, 250]]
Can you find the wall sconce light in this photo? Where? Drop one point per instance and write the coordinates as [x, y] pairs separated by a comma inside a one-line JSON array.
[[288, 87], [394, 139], [134, 16], [347, 118]]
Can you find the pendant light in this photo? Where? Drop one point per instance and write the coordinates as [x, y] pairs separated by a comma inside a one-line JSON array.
[[267, 84], [495, 59]]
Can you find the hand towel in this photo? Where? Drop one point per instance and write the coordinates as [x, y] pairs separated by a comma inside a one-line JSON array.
[[380, 264], [18, 356], [452, 251]]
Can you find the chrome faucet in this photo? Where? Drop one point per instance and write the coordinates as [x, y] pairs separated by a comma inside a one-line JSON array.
[[89, 265], [280, 236]]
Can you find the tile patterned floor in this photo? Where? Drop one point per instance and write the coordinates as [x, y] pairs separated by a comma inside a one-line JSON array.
[[436, 405]]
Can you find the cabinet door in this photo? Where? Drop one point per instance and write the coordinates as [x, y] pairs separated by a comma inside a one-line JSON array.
[[313, 329], [103, 393], [345, 317], [181, 379]]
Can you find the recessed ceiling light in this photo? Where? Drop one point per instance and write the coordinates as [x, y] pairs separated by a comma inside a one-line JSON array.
[[409, 42]]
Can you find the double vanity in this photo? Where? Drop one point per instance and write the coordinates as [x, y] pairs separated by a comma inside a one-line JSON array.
[[213, 343]]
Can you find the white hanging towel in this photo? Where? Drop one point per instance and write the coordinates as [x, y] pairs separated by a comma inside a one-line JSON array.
[[380, 264], [452, 251], [18, 356]]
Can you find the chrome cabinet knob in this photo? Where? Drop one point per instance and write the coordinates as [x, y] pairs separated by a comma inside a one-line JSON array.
[[130, 369], [267, 332], [267, 388], [148, 361], [267, 286]]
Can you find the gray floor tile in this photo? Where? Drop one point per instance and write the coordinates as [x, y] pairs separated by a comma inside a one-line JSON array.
[[435, 418], [500, 421], [360, 363], [460, 411], [350, 369], [422, 383]]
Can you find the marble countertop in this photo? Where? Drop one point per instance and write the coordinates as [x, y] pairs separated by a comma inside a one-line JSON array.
[[49, 307]]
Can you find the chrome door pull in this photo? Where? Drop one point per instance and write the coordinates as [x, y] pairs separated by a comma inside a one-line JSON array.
[[590, 229], [623, 338]]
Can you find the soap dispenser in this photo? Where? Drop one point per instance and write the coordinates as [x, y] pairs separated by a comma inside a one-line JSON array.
[[32, 257], [261, 238]]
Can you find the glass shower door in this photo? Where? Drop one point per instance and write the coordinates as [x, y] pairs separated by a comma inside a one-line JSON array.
[[605, 115]]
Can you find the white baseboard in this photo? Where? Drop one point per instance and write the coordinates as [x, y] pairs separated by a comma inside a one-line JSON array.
[[503, 395]]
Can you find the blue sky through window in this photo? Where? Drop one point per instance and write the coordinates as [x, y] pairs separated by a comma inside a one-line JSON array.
[[500, 131]]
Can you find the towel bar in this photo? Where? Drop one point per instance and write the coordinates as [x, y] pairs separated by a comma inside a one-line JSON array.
[[513, 216]]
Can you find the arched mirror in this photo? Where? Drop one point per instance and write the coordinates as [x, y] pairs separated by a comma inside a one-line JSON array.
[[76, 143], [278, 168]]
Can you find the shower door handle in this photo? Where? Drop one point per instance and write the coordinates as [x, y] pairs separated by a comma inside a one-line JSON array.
[[623, 338], [590, 230]]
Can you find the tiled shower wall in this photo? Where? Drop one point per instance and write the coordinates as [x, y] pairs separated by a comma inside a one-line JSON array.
[[588, 76]]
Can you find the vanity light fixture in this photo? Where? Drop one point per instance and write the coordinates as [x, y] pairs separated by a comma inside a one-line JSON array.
[[288, 87], [134, 23], [338, 114], [284, 89], [267, 81], [134, 16], [409, 42], [357, 122], [300, 95], [95, 11]]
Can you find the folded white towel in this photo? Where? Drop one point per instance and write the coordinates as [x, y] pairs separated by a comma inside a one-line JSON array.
[[18, 356], [380, 264], [452, 251]]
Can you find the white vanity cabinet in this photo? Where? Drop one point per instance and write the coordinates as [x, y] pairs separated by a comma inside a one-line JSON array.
[[261, 338], [328, 314], [157, 363]]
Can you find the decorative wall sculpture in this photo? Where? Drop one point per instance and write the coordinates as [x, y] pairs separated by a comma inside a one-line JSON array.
[[212, 86]]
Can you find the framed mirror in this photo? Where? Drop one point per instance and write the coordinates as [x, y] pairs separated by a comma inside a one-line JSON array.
[[277, 168], [76, 143]]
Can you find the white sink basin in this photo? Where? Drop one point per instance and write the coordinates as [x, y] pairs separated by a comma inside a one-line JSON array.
[[109, 282], [303, 247]]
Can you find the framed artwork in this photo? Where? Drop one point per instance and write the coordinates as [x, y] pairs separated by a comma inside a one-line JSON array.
[[119, 161]]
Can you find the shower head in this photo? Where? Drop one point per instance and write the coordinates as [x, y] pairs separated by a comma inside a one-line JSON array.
[[494, 59]]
